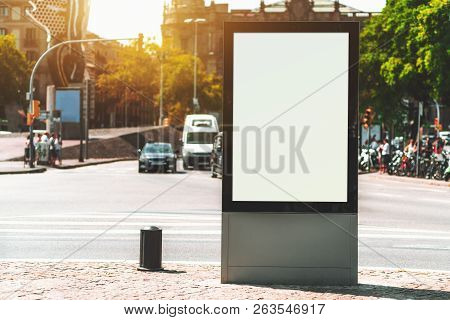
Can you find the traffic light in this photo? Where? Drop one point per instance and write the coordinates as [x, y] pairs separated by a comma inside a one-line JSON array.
[[436, 122], [29, 119], [35, 112], [36, 109], [367, 118]]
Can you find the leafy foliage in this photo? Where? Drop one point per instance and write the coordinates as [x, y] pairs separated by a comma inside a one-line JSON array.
[[405, 54], [132, 78], [14, 71], [140, 72]]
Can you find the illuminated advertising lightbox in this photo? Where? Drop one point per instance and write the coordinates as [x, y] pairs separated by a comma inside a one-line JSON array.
[[69, 102], [290, 117]]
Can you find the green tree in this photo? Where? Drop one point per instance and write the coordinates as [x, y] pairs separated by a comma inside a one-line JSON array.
[[131, 79], [405, 54], [14, 71], [140, 70], [179, 86]]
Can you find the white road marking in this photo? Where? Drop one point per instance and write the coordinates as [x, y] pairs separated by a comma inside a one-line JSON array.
[[381, 229], [103, 238], [112, 231], [31, 232], [422, 247], [446, 201], [383, 194], [401, 236], [109, 223], [118, 216]]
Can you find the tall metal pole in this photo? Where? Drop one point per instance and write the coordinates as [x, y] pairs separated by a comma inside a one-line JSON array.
[[33, 73], [161, 90], [368, 148], [418, 137], [438, 114], [86, 119], [81, 157], [126, 107], [195, 66]]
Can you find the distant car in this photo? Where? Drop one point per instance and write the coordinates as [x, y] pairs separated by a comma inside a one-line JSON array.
[[198, 134], [217, 156], [157, 157]]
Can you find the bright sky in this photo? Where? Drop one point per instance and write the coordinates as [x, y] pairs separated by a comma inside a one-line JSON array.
[[123, 19]]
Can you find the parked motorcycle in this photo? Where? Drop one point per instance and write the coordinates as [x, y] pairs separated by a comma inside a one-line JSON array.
[[368, 156], [395, 162], [407, 166], [447, 173]]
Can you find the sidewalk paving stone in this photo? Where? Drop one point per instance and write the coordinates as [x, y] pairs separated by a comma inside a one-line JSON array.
[[121, 280], [17, 167]]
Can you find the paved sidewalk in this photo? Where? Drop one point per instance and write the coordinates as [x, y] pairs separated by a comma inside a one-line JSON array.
[[438, 183], [109, 280], [17, 167], [73, 163]]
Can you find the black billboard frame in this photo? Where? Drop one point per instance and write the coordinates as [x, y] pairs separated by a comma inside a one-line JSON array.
[[294, 207]]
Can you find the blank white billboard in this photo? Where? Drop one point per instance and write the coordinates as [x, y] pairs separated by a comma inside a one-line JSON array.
[[290, 117]]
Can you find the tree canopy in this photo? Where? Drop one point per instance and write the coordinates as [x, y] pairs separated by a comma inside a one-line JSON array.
[[405, 54], [14, 71], [139, 70]]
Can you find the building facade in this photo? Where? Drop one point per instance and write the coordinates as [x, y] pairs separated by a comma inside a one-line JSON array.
[[37, 25], [177, 32], [32, 41]]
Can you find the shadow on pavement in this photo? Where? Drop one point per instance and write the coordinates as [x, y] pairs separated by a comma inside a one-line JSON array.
[[377, 291], [172, 271]]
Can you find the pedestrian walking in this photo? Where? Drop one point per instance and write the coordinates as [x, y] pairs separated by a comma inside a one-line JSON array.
[[385, 155], [52, 149], [58, 147]]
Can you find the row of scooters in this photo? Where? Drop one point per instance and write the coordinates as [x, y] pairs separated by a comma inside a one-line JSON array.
[[434, 166]]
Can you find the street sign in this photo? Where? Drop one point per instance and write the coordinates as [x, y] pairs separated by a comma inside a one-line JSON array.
[[45, 115], [196, 104]]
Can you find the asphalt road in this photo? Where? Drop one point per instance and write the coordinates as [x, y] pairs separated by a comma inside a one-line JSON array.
[[95, 213]]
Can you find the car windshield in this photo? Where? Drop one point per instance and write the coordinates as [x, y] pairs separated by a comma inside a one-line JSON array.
[[157, 148], [201, 137]]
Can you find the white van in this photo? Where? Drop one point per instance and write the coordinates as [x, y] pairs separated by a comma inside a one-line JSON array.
[[198, 137]]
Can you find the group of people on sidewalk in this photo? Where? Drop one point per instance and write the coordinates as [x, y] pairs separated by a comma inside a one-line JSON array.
[[384, 153], [46, 149], [383, 148]]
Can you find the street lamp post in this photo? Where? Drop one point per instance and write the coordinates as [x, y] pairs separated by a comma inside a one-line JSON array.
[[161, 89], [33, 73], [196, 22]]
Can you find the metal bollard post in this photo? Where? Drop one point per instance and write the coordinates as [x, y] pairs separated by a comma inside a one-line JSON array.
[[150, 249]]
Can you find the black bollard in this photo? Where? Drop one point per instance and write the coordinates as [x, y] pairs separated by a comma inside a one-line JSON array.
[[150, 249]]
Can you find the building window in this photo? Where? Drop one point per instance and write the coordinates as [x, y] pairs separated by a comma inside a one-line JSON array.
[[3, 32], [31, 55], [30, 36], [16, 12], [4, 11], [211, 43]]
